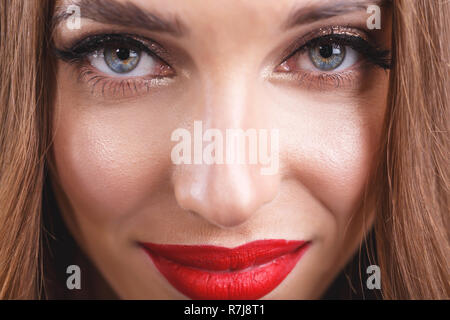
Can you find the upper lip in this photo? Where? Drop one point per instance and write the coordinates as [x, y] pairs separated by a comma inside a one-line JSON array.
[[214, 258]]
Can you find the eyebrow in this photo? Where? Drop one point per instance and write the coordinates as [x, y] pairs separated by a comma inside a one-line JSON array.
[[130, 15], [116, 13], [334, 8]]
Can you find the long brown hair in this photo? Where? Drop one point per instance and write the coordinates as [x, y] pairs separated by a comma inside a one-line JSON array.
[[412, 222], [412, 179], [24, 133]]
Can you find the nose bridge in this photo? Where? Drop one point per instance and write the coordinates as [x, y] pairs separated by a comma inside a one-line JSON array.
[[227, 98], [229, 187]]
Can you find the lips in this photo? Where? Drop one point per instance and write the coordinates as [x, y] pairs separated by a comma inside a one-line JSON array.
[[246, 272]]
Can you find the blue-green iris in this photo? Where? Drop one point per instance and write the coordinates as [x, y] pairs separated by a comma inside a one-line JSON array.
[[121, 60], [327, 56]]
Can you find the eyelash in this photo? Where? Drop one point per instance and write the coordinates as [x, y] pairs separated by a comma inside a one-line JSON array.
[[78, 53]]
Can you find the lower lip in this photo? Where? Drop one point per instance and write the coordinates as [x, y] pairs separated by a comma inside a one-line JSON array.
[[248, 272]]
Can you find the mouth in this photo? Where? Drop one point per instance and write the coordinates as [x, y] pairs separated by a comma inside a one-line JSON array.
[[246, 272]]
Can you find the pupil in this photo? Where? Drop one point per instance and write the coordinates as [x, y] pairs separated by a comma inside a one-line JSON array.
[[326, 51], [123, 54]]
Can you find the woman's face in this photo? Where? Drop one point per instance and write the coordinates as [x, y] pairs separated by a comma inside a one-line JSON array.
[[141, 77]]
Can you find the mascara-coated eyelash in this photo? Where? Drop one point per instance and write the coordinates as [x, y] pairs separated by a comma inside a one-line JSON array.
[[83, 48], [335, 41]]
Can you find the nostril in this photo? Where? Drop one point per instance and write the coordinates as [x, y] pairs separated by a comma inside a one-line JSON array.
[[229, 221]]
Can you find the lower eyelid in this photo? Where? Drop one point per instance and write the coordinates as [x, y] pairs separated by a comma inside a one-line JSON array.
[[349, 78], [101, 85], [324, 81]]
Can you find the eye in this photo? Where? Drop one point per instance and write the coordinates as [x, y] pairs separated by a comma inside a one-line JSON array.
[[119, 64], [125, 61], [322, 57]]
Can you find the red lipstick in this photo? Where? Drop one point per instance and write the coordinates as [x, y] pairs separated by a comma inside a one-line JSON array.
[[246, 272]]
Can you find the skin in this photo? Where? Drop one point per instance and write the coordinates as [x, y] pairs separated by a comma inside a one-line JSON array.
[[116, 183]]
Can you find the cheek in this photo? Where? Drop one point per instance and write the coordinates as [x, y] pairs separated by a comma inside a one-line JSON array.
[[108, 163], [330, 150], [339, 162]]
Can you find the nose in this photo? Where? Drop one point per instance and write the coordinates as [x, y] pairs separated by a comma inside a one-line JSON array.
[[228, 194]]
